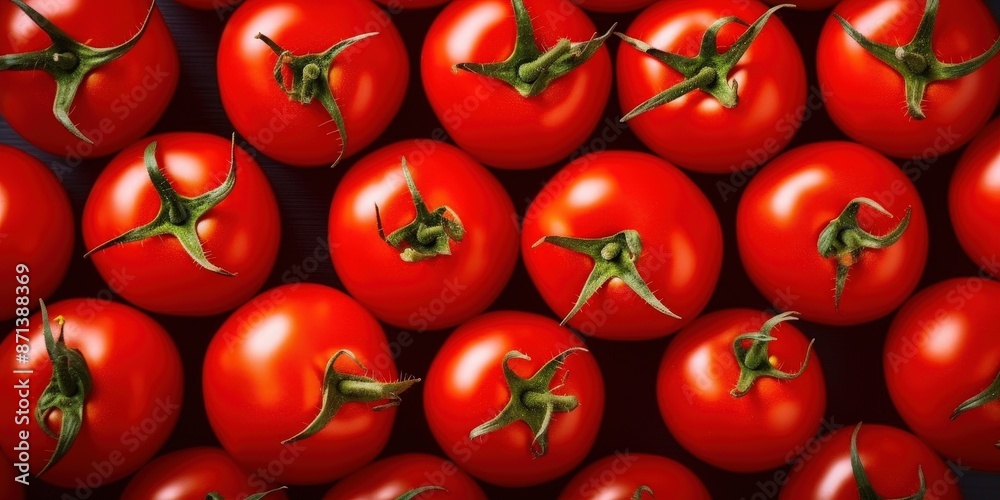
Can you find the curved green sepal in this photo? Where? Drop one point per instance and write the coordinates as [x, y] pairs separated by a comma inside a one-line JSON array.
[[989, 395], [865, 489], [642, 490], [256, 496], [414, 493], [755, 362]]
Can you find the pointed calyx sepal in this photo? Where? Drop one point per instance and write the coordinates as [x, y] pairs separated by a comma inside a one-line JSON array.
[[68, 61], [707, 71], [416, 492], [67, 390], [989, 395], [755, 362], [532, 400], [179, 215], [342, 388], [614, 257], [642, 490], [865, 489], [529, 70], [311, 79], [916, 61], [431, 232], [212, 495], [844, 240]]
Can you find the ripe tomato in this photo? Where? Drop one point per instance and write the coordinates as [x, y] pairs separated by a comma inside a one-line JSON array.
[[336, 354], [238, 236], [192, 474], [613, 5], [709, 129], [394, 5], [489, 117], [673, 260], [807, 4], [890, 466], [949, 330], [115, 104], [36, 229], [812, 193], [453, 275], [119, 430], [366, 82], [974, 197], [508, 366], [9, 488], [394, 477], [625, 474], [867, 98]]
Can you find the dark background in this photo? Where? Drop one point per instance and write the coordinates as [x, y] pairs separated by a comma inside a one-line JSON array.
[[852, 356]]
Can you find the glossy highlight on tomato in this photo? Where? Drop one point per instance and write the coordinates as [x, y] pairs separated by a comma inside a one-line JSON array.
[[391, 478], [193, 473], [624, 474], [974, 198]]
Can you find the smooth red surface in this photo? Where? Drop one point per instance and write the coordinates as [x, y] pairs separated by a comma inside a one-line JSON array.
[[390, 478], [10, 489], [191, 474], [618, 476], [974, 198]]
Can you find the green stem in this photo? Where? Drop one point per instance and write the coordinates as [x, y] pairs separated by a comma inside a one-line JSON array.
[[865, 489], [414, 493], [637, 495], [755, 361], [989, 395], [212, 495]]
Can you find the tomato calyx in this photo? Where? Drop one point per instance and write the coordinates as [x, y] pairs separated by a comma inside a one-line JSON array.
[[430, 232], [311, 79], [178, 215], [67, 390], [614, 257], [916, 61], [532, 400], [212, 495], [642, 490], [416, 492], [67, 60], [341, 388], [989, 395], [865, 489], [529, 70], [707, 71], [844, 240], [755, 362]]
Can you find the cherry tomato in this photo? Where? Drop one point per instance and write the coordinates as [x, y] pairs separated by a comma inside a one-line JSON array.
[[502, 367], [613, 5], [822, 195], [490, 118], [653, 235], [192, 474], [9, 487], [697, 130], [116, 103], [238, 235], [393, 477], [119, 430], [36, 214], [974, 197], [456, 273], [394, 5], [282, 357], [625, 474], [367, 80], [867, 98], [807, 4]]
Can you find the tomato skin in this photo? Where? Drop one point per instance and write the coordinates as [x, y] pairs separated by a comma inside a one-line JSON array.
[[33, 206], [122, 347], [390, 478], [191, 474], [948, 329], [393, 5], [465, 387], [117, 103], [488, 118], [613, 6], [240, 234], [9, 488], [696, 131], [792, 201], [368, 79], [396, 291], [807, 4], [290, 333], [890, 457], [630, 471], [866, 98], [974, 197], [604, 193]]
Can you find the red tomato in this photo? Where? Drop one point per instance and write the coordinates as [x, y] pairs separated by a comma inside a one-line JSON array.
[[116, 103], [35, 211], [791, 203], [696, 130], [414, 285], [613, 5], [775, 406], [867, 98], [487, 117], [367, 80], [949, 330], [891, 459], [974, 198], [291, 333], [391, 478], [121, 429], [192, 474], [623, 474], [9, 488], [600, 195], [239, 235], [467, 386], [394, 5], [807, 4]]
